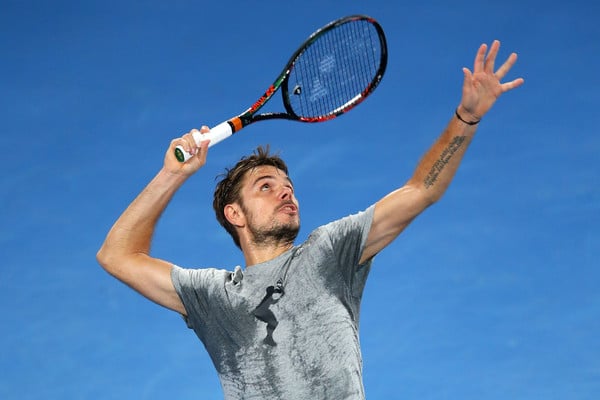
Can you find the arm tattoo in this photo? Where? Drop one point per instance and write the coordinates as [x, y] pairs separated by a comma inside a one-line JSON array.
[[444, 159]]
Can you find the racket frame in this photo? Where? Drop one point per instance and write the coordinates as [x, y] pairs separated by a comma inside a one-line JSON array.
[[249, 116]]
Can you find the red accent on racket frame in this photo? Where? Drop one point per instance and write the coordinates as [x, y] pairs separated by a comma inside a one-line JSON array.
[[260, 102]]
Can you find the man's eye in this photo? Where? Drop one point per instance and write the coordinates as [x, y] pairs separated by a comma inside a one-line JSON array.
[[265, 187]]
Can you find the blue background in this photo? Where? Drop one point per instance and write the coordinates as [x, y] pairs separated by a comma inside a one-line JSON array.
[[492, 293]]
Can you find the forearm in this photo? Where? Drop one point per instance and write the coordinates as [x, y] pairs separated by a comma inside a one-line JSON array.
[[435, 171], [132, 232], [438, 166]]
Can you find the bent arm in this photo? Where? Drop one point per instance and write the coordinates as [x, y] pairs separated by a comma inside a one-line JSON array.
[[125, 253]]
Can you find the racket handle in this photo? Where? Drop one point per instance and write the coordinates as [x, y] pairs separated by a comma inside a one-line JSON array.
[[215, 135]]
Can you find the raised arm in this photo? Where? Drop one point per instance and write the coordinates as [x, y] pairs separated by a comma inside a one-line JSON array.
[[481, 88], [125, 253]]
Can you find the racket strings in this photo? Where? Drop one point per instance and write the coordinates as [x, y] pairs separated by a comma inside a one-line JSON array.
[[335, 71], [356, 69]]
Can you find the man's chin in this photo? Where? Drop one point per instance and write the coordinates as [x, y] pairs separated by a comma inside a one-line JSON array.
[[285, 233]]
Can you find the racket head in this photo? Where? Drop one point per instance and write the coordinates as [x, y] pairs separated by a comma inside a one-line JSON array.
[[335, 69]]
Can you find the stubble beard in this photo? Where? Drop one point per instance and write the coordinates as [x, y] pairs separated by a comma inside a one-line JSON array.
[[275, 233]]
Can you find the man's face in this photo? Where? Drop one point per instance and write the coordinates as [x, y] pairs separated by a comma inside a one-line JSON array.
[[269, 204]]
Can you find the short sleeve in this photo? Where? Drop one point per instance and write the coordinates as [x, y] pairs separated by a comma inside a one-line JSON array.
[[345, 241], [198, 290]]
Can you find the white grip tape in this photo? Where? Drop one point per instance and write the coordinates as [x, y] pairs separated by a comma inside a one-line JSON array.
[[215, 135]]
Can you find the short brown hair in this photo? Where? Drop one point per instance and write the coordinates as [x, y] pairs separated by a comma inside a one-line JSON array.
[[229, 187]]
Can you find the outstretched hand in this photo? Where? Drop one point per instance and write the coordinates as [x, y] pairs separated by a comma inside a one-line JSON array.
[[482, 87]]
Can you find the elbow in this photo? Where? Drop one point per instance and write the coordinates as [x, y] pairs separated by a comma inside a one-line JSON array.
[[426, 194], [116, 262], [423, 197], [106, 259], [431, 198], [101, 257]]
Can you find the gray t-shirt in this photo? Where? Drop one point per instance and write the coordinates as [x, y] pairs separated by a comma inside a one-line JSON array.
[[286, 328]]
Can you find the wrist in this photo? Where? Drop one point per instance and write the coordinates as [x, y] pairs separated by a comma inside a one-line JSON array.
[[465, 116], [168, 177]]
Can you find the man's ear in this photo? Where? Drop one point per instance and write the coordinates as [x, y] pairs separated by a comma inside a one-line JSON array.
[[235, 215]]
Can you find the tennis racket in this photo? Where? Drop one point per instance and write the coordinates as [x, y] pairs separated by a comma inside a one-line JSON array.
[[333, 71]]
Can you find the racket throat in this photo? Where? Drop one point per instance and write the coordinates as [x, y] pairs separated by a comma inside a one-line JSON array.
[[237, 123]]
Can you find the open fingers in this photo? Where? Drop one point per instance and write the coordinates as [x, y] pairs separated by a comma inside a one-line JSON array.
[[483, 62], [504, 68], [479, 59], [490, 60], [512, 84]]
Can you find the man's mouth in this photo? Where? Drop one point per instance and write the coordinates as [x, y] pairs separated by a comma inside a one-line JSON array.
[[288, 207]]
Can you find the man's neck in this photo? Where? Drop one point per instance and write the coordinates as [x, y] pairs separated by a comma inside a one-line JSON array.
[[256, 253]]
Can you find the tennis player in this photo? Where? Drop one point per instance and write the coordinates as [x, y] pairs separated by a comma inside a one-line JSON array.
[[286, 326]]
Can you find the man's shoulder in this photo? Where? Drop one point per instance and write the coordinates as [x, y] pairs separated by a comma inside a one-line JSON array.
[[359, 218]]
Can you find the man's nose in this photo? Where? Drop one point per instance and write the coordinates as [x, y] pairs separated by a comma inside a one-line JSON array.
[[286, 193]]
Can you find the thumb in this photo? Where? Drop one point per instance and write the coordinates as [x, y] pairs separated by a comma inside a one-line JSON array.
[[468, 75]]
